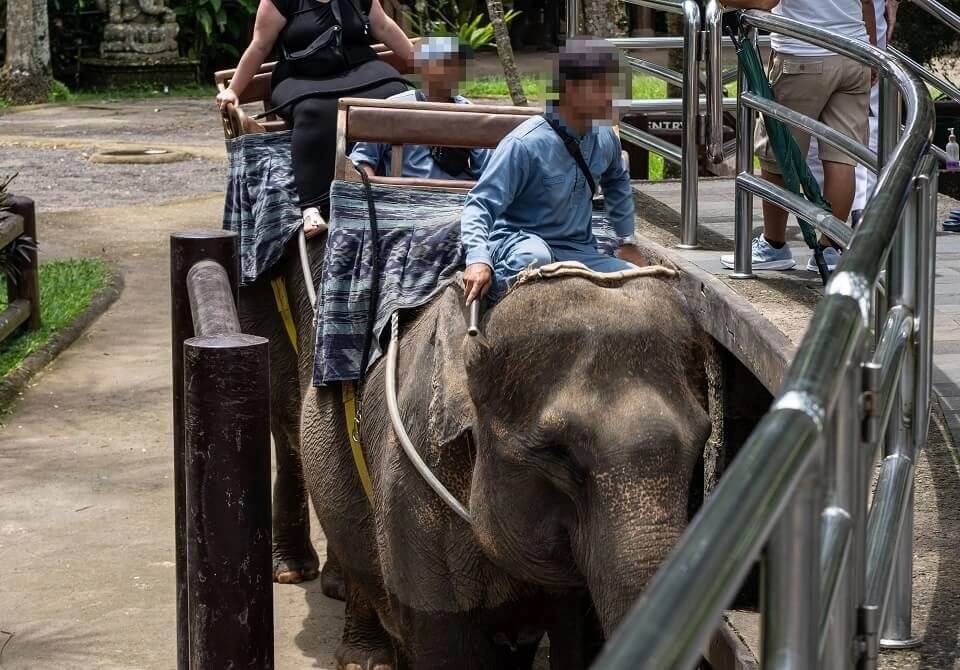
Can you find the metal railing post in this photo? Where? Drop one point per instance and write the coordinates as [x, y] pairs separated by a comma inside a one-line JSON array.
[[926, 278], [689, 168], [844, 481], [743, 202], [902, 284], [791, 594], [573, 17], [713, 23]]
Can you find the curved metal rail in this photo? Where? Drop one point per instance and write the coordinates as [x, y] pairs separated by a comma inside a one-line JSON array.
[[671, 622]]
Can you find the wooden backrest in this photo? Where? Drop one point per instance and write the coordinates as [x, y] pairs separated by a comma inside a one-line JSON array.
[[398, 123]]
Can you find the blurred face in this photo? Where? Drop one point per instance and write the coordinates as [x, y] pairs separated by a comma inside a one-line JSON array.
[[442, 77], [590, 99]]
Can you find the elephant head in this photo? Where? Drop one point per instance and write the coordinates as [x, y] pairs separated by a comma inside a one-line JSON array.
[[587, 413]]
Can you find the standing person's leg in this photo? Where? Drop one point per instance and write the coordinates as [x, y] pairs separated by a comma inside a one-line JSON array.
[[847, 111], [798, 82], [804, 84]]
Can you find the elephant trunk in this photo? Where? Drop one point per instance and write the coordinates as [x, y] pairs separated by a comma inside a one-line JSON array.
[[628, 532]]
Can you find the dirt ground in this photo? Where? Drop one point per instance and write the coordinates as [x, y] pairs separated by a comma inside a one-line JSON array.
[[86, 497]]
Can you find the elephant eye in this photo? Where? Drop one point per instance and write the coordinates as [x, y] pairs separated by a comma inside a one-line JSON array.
[[561, 461]]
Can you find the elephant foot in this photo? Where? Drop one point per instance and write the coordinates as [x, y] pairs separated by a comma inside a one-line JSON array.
[[356, 658], [332, 584], [290, 568]]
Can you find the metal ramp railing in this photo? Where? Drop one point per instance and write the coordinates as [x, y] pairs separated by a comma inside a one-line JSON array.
[[837, 568]]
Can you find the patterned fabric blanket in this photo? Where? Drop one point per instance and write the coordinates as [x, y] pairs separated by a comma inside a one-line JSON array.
[[419, 255], [261, 203]]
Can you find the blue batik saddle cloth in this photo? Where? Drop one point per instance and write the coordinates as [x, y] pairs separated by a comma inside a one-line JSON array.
[[419, 255], [261, 205]]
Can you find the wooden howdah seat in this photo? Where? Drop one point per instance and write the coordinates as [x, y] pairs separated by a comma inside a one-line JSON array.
[[393, 122], [399, 123], [237, 121]]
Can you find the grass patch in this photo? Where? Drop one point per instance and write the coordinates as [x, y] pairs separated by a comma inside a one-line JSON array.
[[496, 87], [66, 289], [538, 88]]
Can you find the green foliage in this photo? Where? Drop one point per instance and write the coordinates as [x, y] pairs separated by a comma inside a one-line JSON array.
[[478, 33], [921, 36], [66, 289], [59, 92], [214, 31], [464, 19]]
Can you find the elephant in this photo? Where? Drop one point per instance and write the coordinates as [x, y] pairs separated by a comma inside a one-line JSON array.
[[294, 558], [569, 429]]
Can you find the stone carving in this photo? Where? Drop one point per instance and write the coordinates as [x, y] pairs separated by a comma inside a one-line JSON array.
[[139, 31]]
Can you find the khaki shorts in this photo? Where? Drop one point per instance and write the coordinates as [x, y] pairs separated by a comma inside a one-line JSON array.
[[831, 89]]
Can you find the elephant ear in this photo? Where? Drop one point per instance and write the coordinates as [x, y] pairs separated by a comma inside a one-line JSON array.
[[452, 414]]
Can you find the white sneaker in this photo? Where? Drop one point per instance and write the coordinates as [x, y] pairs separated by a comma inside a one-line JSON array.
[[765, 257], [313, 223], [830, 256]]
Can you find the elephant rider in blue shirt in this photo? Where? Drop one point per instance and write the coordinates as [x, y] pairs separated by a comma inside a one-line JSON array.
[[532, 205], [441, 63]]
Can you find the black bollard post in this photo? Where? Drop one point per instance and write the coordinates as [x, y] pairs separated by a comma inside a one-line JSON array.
[[186, 249], [227, 441]]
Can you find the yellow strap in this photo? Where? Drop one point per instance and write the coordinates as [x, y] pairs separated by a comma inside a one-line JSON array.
[[283, 306], [349, 395], [350, 410]]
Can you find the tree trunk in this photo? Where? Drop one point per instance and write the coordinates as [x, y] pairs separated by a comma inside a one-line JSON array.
[[605, 18], [25, 76], [505, 52]]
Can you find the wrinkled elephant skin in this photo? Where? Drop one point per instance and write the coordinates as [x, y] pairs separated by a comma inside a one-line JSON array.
[[570, 428]]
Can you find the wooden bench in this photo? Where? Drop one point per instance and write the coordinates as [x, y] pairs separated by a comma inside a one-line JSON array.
[[237, 121], [421, 123], [399, 123]]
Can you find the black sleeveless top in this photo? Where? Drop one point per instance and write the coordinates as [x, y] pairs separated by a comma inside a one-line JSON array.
[[308, 19]]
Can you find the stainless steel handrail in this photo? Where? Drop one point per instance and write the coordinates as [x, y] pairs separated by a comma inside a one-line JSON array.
[[650, 142], [659, 71], [689, 592], [939, 11], [713, 22], [669, 104], [821, 219], [823, 132]]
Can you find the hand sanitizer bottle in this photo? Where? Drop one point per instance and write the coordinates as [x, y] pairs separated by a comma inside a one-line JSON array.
[[953, 152]]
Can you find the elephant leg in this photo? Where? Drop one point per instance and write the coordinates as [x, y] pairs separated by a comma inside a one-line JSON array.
[[294, 559], [365, 644]]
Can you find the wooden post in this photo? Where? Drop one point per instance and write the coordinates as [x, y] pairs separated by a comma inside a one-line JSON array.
[[227, 448], [28, 287], [186, 249]]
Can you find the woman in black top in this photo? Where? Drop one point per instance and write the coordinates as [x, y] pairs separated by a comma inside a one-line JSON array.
[[324, 54]]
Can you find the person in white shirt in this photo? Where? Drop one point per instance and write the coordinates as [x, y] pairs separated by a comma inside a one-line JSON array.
[[833, 89]]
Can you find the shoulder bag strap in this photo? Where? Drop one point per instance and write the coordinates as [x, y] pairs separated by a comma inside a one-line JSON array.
[[574, 150]]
